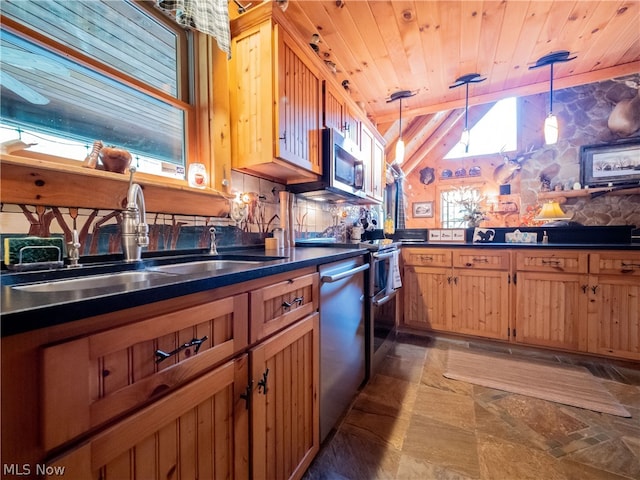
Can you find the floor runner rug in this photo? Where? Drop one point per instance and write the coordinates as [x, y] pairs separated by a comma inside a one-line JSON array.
[[561, 383]]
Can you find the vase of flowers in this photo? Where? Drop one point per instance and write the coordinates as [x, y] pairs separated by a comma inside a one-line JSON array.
[[469, 200]]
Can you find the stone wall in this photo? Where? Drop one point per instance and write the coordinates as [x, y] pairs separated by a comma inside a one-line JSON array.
[[583, 113]]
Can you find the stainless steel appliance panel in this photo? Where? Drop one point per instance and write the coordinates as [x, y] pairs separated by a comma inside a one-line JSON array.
[[342, 338]]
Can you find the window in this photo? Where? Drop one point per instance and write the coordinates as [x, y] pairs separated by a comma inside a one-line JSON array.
[[77, 71], [495, 132], [457, 206]]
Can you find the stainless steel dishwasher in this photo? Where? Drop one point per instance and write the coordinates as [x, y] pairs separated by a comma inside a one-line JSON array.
[[342, 338]]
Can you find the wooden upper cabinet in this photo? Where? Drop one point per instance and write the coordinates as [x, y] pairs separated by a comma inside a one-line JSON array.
[[338, 114], [275, 101], [373, 154]]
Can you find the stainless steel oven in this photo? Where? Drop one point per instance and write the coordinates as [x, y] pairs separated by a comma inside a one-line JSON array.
[[383, 288]]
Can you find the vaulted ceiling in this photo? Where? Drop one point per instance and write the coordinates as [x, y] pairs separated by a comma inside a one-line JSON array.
[[381, 47]]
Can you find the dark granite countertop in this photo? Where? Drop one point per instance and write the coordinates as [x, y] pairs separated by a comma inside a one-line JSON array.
[[550, 246], [23, 311]]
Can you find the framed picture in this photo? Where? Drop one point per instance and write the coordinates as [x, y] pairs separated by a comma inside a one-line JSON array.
[[422, 209], [610, 164]]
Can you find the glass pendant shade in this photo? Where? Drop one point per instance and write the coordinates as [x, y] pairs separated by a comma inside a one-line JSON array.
[[464, 139], [551, 129], [400, 151]]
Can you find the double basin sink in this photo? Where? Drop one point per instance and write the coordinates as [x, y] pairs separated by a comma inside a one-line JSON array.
[[153, 271]]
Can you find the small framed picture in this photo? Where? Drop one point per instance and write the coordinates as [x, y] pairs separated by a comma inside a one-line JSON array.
[[422, 209]]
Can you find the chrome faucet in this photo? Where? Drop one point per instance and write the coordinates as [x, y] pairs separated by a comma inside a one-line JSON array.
[[135, 232], [213, 249], [74, 251]]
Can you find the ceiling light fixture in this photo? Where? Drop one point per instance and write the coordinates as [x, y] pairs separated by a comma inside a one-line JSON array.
[[551, 122], [466, 80], [400, 143]]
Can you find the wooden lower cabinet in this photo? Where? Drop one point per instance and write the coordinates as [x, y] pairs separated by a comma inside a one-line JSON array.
[[480, 303], [552, 310], [471, 297], [614, 304], [427, 298], [284, 407], [199, 431]]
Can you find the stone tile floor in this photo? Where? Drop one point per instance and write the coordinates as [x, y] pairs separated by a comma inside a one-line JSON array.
[[410, 422]]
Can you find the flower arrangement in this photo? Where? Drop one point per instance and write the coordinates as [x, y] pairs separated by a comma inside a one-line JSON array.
[[470, 200]]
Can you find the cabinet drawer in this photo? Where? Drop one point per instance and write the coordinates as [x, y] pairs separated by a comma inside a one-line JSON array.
[[553, 261], [615, 263], [96, 378], [281, 304], [427, 257], [481, 259]]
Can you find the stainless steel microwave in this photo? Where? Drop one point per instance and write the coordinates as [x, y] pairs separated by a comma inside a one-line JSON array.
[[342, 171]]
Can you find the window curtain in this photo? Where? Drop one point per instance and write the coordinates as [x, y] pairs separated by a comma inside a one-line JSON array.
[[401, 223], [207, 16]]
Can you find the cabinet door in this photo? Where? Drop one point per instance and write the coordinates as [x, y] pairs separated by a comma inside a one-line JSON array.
[[200, 431], [352, 125], [377, 170], [551, 310], [299, 112], [427, 298], [91, 380], [480, 303], [285, 418], [333, 108], [614, 303], [367, 156], [614, 315], [251, 96]]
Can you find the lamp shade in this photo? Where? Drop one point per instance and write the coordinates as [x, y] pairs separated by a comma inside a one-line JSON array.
[[551, 129], [552, 211], [399, 151]]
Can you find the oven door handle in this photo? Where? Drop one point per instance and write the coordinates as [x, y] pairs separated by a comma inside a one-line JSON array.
[[382, 256], [382, 300], [345, 274]]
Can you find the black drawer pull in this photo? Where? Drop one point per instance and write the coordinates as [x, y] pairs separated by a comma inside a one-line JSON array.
[[550, 262], [297, 300], [197, 343], [632, 265]]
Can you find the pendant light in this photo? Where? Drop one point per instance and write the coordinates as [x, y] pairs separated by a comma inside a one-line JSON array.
[[400, 143], [466, 80], [551, 122]]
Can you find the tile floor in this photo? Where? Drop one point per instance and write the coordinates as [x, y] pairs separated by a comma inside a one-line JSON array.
[[410, 422]]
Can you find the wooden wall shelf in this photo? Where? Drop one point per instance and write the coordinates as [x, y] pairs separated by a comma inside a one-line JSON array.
[[38, 182], [563, 195]]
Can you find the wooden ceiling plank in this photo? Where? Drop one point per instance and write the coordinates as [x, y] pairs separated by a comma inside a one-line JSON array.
[[525, 90], [503, 60], [384, 68], [427, 14], [406, 19], [470, 29], [618, 36]]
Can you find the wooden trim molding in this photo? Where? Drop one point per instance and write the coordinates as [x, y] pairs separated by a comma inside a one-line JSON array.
[[39, 182]]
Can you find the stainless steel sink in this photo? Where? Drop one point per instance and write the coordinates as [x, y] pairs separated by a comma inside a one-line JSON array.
[[204, 266], [93, 281]]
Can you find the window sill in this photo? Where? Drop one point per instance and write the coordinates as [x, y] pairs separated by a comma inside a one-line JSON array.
[[32, 181]]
